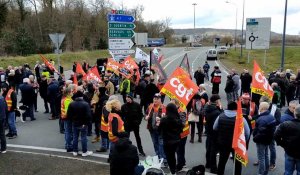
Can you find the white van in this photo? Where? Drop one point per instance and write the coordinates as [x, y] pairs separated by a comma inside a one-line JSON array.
[[212, 54]]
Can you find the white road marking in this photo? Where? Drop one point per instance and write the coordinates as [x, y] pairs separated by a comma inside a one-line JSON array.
[[51, 149], [222, 67], [58, 156], [193, 69], [175, 58]]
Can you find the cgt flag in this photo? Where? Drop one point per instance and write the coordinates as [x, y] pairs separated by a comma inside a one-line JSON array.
[[155, 65], [260, 84], [185, 64], [239, 140], [113, 65], [93, 76], [79, 69], [48, 64], [129, 68], [180, 87]]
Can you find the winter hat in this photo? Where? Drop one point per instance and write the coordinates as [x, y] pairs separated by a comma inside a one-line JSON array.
[[129, 96]]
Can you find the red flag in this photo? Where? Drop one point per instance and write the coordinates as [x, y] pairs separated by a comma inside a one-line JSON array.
[[186, 65], [75, 79], [126, 69], [48, 64], [239, 140], [260, 84], [93, 75], [79, 69]]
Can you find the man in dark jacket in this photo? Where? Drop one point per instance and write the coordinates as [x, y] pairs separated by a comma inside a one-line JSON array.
[[246, 80], [291, 89], [124, 158], [79, 112], [216, 78], [52, 91], [150, 90], [199, 76], [211, 111], [43, 92], [27, 99], [132, 115], [141, 90], [224, 125], [11, 101], [289, 113], [263, 136], [3, 110], [287, 135]]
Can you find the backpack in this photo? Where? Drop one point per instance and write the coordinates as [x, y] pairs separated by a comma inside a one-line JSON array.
[[197, 107], [154, 171], [197, 170]]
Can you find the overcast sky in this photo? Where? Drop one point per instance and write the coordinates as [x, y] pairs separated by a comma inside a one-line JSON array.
[[218, 13]]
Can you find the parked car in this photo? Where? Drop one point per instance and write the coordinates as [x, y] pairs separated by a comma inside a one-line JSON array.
[[212, 54], [222, 50], [195, 44]]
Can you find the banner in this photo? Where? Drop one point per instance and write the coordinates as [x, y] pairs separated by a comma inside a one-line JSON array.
[[140, 55], [260, 84], [127, 67], [155, 65], [180, 87], [239, 140], [79, 69], [93, 76], [75, 81], [185, 64], [113, 66], [48, 64]]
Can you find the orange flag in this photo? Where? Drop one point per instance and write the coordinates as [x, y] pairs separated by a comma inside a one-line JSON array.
[[239, 140], [93, 76], [126, 69], [48, 64], [75, 81], [181, 87], [113, 65], [79, 69], [260, 84]]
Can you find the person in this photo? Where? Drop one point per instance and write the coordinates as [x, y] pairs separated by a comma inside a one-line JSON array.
[[170, 127], [3, 111], [37, 69], [212, 110], [124, 158], [85, 66], [3, 76], [291, 89], [110, 88], [132, 114], [263, 136], [229, 88], [224, 125], [43, 84], [141, 90], [236, 86], [150, 91], [52, 92], [206, 68], [287, 135], [246, 80], [11, 101], [35, 86], [27, 92], [79, 113], [125, 88], [216, 78], [88, 96], [249, 109], [289, 113], [199, 76], [156, 110]]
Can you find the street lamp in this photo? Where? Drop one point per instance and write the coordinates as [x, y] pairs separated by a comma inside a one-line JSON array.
[[236, 15], [283, 37], [194, 4], [241, 56]]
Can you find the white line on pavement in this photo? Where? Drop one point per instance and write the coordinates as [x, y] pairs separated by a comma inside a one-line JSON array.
[[175, 58], [58, 156], [50, 149]]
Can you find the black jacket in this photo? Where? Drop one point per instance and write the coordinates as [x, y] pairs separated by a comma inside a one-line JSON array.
[[27, 94], [52, 91], [13, 97], [264, 128], [170, 127], [43, 88], [132, 115], [246, 80], [124, 158], [229, 85], [211, 113], [149, 92], [79, 112], [287, 135], [199, 76]]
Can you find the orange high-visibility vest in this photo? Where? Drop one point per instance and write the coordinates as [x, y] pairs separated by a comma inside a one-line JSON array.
[[8, 99], [186, 129], [111, 116], [104, 125]]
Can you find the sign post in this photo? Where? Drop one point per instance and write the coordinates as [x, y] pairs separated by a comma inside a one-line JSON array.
[[57, 39]]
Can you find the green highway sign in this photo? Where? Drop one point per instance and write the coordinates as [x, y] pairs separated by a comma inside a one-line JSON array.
[[116, 25], [117, 33]]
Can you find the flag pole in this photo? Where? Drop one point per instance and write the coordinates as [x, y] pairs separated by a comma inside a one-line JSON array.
[[234, 159], [150, 62]]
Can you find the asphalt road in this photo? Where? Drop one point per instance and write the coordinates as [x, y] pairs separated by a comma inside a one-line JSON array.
[[42, 136]]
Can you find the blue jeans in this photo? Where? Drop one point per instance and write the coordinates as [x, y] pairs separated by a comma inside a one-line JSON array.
[[272, 153], [83, 131], [181, 152], [29, 112], [291, 164], [104, 140], [68, 135], [263, 159], [158, 144], [2, 136], [12, 122]]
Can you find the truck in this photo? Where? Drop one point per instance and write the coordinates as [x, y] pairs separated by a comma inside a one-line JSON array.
[[141, 39]]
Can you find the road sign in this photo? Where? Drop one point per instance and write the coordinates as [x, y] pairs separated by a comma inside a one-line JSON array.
[[120, 18], [116, 25], [57, 39], [258, 33], [120, 43], [122, 52], [116, 33]]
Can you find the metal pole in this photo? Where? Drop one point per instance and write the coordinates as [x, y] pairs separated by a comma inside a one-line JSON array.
[[283, 37], [242, 41], [57, 50], [194, 4], [235, 33]]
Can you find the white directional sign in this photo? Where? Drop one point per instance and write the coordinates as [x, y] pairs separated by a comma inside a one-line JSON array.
[[115, 44], [125, 52], [258, 33], [57, 39]]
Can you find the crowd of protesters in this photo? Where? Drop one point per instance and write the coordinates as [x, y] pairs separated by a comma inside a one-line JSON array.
[[78, 103]]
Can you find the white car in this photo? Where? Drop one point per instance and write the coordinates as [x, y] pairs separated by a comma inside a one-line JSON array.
[[212, 54], [222, 50]]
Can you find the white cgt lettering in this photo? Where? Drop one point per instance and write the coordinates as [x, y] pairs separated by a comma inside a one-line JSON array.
[[261, 79], [181, 91], [128, 65]]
